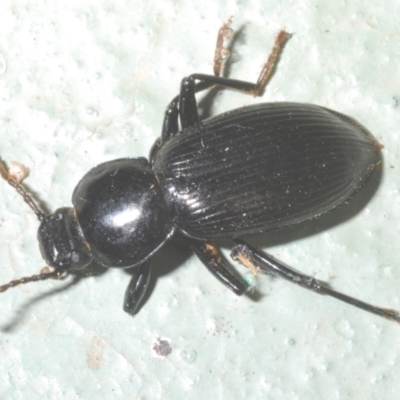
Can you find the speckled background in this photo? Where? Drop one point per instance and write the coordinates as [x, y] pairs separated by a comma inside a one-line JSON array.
[[84, 82]]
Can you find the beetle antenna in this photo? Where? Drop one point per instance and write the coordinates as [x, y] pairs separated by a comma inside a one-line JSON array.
[[27, 279], [21, 191]]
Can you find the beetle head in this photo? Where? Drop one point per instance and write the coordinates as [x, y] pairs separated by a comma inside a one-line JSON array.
[[60, 237], [61, 241]]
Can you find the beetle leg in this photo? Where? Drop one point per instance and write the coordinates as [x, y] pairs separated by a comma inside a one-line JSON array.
[[137, 288], [185, 104], [268, 68], [222, 53], [212, 259], [187, 101], [247, 254], [171, 115], [169, 128], [170, 123]]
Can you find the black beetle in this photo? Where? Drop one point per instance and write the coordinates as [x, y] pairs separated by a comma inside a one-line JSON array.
[[249, 170]]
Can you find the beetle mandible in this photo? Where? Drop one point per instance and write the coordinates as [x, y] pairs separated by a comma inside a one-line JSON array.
[[249, 170]]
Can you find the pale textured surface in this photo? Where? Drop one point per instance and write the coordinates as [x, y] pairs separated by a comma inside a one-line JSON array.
[[86, 82]]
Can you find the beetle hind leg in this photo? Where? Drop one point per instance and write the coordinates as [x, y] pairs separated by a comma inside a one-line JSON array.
[[252, 257], [214, 262]]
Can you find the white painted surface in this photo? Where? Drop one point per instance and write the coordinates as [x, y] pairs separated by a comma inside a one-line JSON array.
[[86, 82]]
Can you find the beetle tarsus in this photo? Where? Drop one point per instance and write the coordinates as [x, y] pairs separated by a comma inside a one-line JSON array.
[[268, 68], [222, 53]]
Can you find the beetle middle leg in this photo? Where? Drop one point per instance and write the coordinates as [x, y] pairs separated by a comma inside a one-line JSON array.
[[187, 101], [184, 106], [210, 256], [170, 123], [221, 54], [252, 257]]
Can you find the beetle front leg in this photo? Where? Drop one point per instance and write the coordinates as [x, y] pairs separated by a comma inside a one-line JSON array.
[[212, 259], [137, 288], [252, 258]]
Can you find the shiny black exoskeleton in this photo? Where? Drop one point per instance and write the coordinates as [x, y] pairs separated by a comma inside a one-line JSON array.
[[250, 170]]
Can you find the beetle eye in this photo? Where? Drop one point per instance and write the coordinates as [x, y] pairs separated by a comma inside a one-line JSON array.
[[61, 241]]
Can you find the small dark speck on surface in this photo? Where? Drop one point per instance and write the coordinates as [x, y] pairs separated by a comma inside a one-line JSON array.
[[162, 347]]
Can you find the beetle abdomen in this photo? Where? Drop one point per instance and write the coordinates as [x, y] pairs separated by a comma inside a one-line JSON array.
[[262, 167]]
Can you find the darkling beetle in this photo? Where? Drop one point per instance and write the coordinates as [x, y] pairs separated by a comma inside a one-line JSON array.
[[249, 170]]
